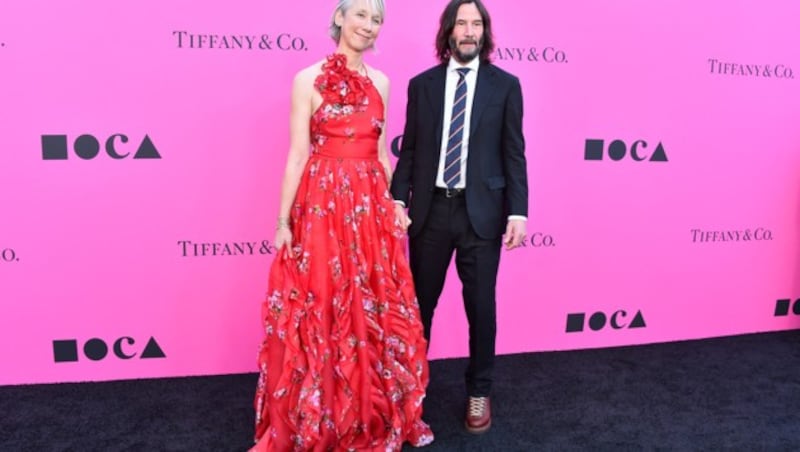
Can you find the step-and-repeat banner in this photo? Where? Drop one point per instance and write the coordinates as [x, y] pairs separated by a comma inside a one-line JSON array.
[[143, 146]]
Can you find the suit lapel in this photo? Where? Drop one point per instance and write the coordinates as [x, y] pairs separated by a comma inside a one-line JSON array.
[[484, 87], [435, 93]]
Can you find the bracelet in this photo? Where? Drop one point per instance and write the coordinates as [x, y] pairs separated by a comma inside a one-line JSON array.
[[283, 222]]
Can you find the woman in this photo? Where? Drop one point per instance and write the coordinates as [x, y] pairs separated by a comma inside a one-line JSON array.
[[343, 363]]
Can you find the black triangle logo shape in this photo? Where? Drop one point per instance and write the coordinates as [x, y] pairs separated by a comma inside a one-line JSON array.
[[659, 155], [153, 350], [147, 150], [638, 321]]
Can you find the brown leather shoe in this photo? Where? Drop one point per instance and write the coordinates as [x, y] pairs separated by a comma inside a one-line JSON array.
[[479, 415]]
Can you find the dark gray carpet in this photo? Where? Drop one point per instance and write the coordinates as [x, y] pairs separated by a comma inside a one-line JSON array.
[[735, 393]]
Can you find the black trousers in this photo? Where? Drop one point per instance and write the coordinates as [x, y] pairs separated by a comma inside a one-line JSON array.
[[448, 229]]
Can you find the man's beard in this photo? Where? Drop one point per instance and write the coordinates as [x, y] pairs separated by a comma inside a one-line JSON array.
[[465, 57]]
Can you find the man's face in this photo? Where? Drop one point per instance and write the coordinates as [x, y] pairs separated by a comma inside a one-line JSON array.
[[467, 37]]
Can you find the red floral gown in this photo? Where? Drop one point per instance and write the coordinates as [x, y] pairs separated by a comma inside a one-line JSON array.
[[343, 364]]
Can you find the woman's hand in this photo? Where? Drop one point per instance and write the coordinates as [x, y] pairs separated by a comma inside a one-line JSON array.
[[400, 217], [283, 235]]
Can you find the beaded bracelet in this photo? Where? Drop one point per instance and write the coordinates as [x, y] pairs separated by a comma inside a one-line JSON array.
[[283, 222]]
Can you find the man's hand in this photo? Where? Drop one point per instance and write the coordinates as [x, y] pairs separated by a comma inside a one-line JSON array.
[[400, 217], [515, 234]]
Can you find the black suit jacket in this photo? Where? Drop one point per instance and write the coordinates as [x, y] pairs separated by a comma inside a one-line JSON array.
[[496, 179]]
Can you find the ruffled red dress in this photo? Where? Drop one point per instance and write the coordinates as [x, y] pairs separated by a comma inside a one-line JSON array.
[[343, 364]]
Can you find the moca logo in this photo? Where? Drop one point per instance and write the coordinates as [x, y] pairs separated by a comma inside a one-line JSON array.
[[618, 150], [599, 320], [782, 307], [66, 351], [87, 147]]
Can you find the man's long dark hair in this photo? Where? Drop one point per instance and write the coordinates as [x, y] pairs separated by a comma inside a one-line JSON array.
[[448, 22]]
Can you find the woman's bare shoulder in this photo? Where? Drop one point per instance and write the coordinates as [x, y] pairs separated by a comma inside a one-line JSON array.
[[380, 79], [307, 75]]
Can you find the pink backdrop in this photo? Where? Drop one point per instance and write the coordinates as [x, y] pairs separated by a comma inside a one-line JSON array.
[[94, 250]]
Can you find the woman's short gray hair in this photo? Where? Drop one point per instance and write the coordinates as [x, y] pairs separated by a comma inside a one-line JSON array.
[[378, 6]]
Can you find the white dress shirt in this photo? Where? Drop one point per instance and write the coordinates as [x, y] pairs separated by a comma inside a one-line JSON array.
[[451, 81]]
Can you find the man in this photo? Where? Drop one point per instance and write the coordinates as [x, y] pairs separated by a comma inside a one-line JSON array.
[[462, 173]]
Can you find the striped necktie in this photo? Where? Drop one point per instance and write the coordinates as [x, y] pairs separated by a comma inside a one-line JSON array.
[[452, 158]]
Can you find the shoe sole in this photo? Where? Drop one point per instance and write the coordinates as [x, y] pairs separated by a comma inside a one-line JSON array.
[[478, 430]]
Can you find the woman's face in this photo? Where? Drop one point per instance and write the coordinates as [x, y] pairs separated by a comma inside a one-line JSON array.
[[360, 25]]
